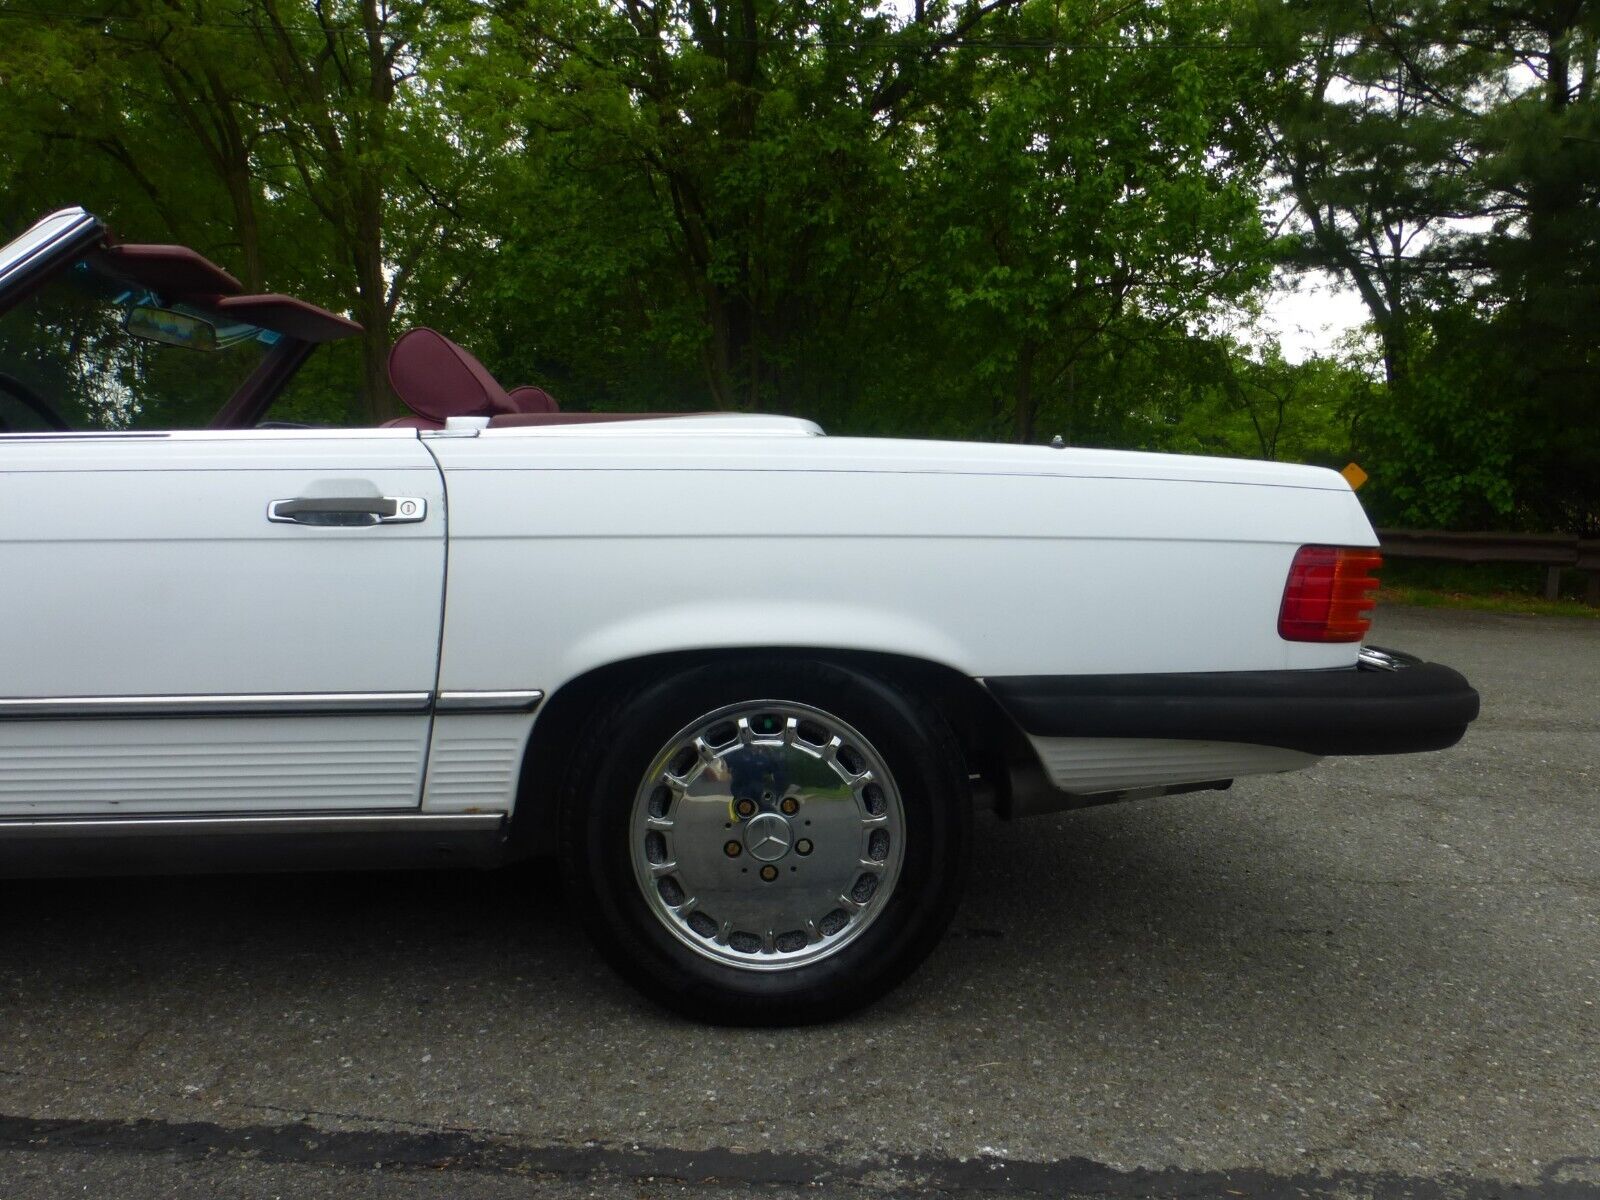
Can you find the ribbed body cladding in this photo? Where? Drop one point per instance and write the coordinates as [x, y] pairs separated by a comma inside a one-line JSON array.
[[83, 768], [1088, 765], [474, 761]]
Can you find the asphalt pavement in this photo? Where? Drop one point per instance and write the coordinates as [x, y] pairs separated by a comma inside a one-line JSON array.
[[1380, 977]]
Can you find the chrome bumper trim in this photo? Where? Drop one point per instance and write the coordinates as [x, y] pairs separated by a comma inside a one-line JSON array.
[[1376, 658]]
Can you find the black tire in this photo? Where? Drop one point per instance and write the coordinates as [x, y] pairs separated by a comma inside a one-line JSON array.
[[612, 757]]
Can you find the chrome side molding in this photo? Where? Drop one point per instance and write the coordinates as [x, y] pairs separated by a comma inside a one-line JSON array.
[[267, 823], [290, 704], [486, 702], [266, 704]]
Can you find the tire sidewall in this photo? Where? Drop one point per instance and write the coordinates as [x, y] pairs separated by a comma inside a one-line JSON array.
[[597, 834]]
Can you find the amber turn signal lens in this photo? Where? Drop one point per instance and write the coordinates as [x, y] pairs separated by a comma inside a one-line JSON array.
[[1330, 594]]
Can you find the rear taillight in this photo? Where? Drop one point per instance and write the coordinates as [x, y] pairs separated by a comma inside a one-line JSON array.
[[1330, 594]]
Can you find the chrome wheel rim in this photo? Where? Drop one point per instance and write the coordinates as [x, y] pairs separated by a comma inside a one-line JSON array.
[[767, 835]]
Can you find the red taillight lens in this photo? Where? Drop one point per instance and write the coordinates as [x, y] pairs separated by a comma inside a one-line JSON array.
[[1330, 594]]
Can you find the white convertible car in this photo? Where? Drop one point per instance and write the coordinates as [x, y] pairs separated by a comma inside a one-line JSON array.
[[748, 682]]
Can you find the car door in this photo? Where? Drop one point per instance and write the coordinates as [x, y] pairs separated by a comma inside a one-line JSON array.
[[224, 622]]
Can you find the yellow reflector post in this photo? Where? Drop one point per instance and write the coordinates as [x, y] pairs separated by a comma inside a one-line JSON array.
[[1354, 476]]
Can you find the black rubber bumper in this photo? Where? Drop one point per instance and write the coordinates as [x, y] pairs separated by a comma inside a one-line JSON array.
[[1425, 706]]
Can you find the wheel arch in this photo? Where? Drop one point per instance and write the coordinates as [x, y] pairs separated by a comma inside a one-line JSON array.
[[990, 742]]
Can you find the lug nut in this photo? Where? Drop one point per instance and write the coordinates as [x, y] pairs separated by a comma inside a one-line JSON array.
[[745, 808], [769, 872], [731, 849], [803, 846], [790, 806]]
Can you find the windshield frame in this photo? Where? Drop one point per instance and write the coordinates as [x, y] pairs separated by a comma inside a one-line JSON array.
[[45, 247], [55, 243]]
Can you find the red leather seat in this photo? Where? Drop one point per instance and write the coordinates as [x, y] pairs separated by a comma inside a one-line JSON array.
[[436, 379], [530, 399]]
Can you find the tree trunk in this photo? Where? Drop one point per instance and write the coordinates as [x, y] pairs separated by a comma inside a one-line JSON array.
[[1024, 412], [373, 311], [718, 354], [242, 196]]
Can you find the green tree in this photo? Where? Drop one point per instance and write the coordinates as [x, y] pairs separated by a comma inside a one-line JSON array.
[[1372, 134], [1098, 192], [1444, 158], [291, 139], [1539, 152], [726, 181]]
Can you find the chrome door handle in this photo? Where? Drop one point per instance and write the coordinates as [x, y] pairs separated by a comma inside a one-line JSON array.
[[348, 510]]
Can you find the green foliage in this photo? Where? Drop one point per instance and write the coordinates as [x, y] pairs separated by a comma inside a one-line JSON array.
[[967, 218], [1259, 405], [1443, 156], [1088, 206], [1442, 456]]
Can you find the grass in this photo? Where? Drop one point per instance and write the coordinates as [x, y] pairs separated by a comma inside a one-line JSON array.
[[1502, 602], [1487, 587]]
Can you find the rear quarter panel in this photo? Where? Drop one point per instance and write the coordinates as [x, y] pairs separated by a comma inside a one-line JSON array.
[[567, 553]]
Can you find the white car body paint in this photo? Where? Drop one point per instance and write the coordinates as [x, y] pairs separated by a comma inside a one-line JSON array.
[[586, 545], [144, 566], [148, 570]]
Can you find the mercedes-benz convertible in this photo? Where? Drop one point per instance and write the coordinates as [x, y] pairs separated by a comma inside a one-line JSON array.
[[746, 681]]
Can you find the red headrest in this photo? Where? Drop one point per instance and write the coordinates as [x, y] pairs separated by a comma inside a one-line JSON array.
[[437, 379], [530, 399]]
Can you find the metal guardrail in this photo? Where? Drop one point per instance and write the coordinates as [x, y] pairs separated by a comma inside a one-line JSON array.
[[1556, 552]]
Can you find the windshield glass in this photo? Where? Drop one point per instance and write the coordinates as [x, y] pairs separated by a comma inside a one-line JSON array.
[[105, 353]]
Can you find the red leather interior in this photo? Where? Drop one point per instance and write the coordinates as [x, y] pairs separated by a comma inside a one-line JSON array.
[[530, 399], [287, 314], [175, 272], [523, 420], [437, 379]]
